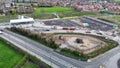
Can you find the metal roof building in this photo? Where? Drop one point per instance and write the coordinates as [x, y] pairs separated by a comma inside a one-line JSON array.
[[21, 21]]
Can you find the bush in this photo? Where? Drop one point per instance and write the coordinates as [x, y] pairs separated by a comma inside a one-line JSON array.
[[39, 62], [74, 54], [13, 11], [35, 37], [22, 62]]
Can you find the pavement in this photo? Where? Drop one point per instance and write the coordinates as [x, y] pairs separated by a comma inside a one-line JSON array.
[[118, 63], [112, 62]]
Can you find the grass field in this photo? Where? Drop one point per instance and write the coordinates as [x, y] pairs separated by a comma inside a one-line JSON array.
[[117, 0], [75, 13], [7, 18], [114, 18], [8, 57], [53, 9], [61, 14], [117, 18]]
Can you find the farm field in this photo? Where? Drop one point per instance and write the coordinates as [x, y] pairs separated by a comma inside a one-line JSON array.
[[7, 18], [53, 9], [8, 57], [60, 14], [117, 18], [117, 0], [113, 18]]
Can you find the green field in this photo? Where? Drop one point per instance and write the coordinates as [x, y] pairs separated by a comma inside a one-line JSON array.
[[8, 57], [75, 13], [7, 18], [117, 18], [53, 9], [61, 14], [113, 18], [117, 0]]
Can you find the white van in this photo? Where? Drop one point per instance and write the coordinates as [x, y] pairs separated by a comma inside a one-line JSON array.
[[1, 32]]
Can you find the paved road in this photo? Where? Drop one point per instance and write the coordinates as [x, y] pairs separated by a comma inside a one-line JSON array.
[[118, 63], [112, 62]]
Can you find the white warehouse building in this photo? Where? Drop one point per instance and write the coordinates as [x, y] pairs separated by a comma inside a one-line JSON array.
[[21, 21]]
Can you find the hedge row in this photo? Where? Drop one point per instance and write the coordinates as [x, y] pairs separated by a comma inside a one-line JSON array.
[[73, 54], [75, 13], [41, 15], [22, 62], [34, 36]]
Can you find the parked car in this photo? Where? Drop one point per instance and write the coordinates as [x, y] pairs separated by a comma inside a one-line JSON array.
[[1, 32]]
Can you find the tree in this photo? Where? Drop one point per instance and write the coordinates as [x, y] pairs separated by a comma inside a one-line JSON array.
[[13, 11]]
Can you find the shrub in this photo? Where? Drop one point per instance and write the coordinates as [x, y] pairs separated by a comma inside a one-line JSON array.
[[35, 36], [22, 62]]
